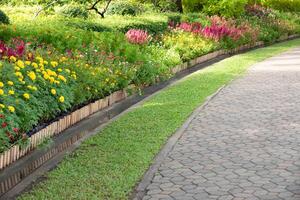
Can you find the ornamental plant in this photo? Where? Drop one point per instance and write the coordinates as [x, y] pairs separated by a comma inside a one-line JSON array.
[[258, 10], [219, 29], [137, 36], [17, 48]]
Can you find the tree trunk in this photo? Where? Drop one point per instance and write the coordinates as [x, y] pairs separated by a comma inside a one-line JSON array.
[[179, 6]]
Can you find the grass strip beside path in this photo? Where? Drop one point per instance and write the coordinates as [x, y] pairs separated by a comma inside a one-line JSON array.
[[108, 165]]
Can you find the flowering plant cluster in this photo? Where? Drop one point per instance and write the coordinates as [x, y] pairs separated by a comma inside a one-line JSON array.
[[17, 48], [218, 29], [258, 10], [34, 91], [137, 36]]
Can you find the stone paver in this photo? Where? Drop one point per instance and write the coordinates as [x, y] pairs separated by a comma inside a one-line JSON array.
[[245, 144]]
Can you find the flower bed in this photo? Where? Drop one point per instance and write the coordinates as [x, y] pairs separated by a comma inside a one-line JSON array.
[[40, 84]]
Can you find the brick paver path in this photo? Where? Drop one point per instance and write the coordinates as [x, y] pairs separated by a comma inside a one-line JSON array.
[[245, 144]]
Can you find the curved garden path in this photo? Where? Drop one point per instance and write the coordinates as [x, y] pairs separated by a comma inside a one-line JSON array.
[[244, 144]]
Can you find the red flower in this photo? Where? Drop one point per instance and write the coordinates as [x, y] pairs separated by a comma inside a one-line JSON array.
[[4, 124], [16, 130]]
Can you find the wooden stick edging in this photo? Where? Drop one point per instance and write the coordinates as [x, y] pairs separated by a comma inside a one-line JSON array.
[[57, 127]]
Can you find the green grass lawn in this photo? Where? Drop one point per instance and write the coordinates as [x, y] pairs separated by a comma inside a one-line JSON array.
[[109, 165]]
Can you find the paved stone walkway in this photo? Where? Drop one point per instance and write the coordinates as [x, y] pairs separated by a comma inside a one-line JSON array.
[[245, 144]]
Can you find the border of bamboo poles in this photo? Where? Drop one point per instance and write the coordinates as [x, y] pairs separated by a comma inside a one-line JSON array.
[[57, 127]]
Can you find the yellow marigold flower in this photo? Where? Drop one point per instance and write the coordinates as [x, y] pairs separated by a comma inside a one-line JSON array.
[[46, 76], [45, 62], [13, 59], [27, 62], [51, 79], [59, 70], [26, 95], [11, 92], [11, 109], [21, 79], [1, 84], [74, 76], [1, 92], [17, 68], [61, 99], [32, 75], [18, 74], [40, 59], [2, 105], [53, 91], [62, 78], [34, 65], [54, 64], [57, 82], [51, 73], [32, 87], [20, 64], [41, 65], [10, 83], [62, 59]]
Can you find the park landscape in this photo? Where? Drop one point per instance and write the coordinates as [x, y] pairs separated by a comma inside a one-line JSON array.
[[57, 57]]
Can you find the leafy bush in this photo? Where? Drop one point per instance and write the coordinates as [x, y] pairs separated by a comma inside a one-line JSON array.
[[73, 10], [226, 8], [188, 45], [151, 27], [3, 18], [283, 5], [123, 8]]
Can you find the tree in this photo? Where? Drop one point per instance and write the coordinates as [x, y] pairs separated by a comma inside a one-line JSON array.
[[48, 4], [179, 5], [101, 13]]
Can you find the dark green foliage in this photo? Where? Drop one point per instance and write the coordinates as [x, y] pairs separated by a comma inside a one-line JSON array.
[[174, 17], [151, 27], [73, 10], [227, 8], [124, 8], [3, 18], [89, 26]]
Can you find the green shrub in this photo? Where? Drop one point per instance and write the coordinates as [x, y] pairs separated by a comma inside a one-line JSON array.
[[73, 10], [89, 26], [3, 18], [151, 26], [188, 45], [195, 17], [174, 17], [283, 5], [226, 8], [123, 8]]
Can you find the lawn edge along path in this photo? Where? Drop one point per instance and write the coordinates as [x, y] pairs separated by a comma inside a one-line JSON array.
[[108, 165]]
